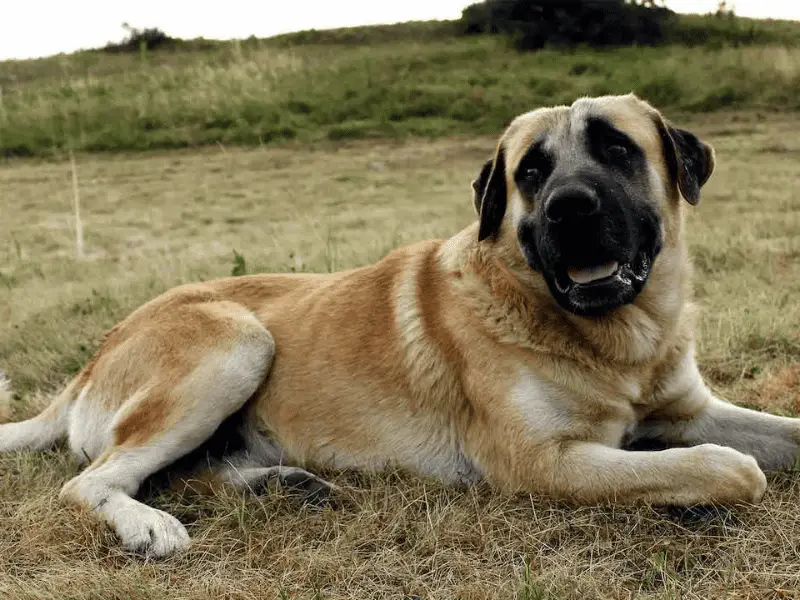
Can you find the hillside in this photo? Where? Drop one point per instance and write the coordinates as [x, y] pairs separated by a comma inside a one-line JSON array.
[[385, 81]]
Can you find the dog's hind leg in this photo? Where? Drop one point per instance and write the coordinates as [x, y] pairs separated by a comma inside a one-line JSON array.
[[241, 474], [43, 430], [197, 368]]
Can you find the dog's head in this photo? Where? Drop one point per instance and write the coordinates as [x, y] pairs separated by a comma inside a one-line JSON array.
[[589, 194]]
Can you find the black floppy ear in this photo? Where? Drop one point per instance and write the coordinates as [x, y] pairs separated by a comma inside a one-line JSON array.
[[690, 161], [479, 185], [492, 204]]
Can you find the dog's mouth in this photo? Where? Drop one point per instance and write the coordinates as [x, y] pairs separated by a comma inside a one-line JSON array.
[[597, 289], [598, 267], [612, 272], [592, 275]]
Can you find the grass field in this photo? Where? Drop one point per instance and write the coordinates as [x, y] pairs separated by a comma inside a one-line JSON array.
[[154, 220], [394, 81]]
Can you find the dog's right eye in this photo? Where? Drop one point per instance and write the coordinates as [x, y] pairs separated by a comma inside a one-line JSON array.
[[531, 174], [532, 171], [530, 178]]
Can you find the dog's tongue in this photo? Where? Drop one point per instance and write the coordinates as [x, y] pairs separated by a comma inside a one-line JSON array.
[[593, 273]]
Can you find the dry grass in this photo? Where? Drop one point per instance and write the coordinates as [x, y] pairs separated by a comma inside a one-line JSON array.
[[157, 220]]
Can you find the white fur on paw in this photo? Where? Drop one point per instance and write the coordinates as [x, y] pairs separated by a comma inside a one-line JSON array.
[[151, 532]]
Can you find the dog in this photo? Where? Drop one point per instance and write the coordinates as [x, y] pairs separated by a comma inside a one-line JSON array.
[[533, 350]]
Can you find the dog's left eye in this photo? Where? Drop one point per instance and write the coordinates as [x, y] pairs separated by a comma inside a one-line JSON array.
[[617, 152]]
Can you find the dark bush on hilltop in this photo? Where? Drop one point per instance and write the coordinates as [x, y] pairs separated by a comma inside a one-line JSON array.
[[534, 24], [151, 38]]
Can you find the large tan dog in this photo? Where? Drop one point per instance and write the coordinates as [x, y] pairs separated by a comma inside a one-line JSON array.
[[529, 349]]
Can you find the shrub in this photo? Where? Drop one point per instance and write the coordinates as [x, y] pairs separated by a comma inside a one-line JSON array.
[[534, 24], [150, 38]]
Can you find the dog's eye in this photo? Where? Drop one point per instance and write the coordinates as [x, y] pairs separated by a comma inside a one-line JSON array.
[[617, 152], [532, 171], [531, 174]]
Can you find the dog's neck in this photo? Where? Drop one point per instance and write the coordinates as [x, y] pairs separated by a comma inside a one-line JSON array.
[[504, 289], [655, 322]]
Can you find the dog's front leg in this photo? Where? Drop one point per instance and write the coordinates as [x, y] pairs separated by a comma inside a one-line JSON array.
[[690, 414], [590, 473]]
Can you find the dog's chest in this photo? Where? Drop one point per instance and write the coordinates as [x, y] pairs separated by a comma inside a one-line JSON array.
[[549, 411]]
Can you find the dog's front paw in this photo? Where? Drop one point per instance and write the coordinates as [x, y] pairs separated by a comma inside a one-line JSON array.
[[728, 476]]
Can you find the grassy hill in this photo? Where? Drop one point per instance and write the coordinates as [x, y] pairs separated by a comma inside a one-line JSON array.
[[385, 81]]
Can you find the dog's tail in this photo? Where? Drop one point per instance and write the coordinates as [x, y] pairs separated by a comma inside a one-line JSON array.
[[40, 432]]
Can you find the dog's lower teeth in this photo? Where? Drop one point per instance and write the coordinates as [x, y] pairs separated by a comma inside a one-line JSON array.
[[593, 273]]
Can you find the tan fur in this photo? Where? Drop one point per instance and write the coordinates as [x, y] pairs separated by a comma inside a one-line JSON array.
[[449, 358]]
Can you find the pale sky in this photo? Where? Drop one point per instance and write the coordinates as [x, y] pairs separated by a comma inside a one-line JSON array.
[[34, 28]]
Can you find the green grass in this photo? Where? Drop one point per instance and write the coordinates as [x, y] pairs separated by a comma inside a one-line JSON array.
[[420, 79]]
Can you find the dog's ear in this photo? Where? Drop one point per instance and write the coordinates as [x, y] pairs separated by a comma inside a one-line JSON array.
[[690, 161], [490, 195], [479, 185]]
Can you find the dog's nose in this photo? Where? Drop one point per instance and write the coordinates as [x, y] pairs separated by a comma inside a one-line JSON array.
[[571, 203]]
